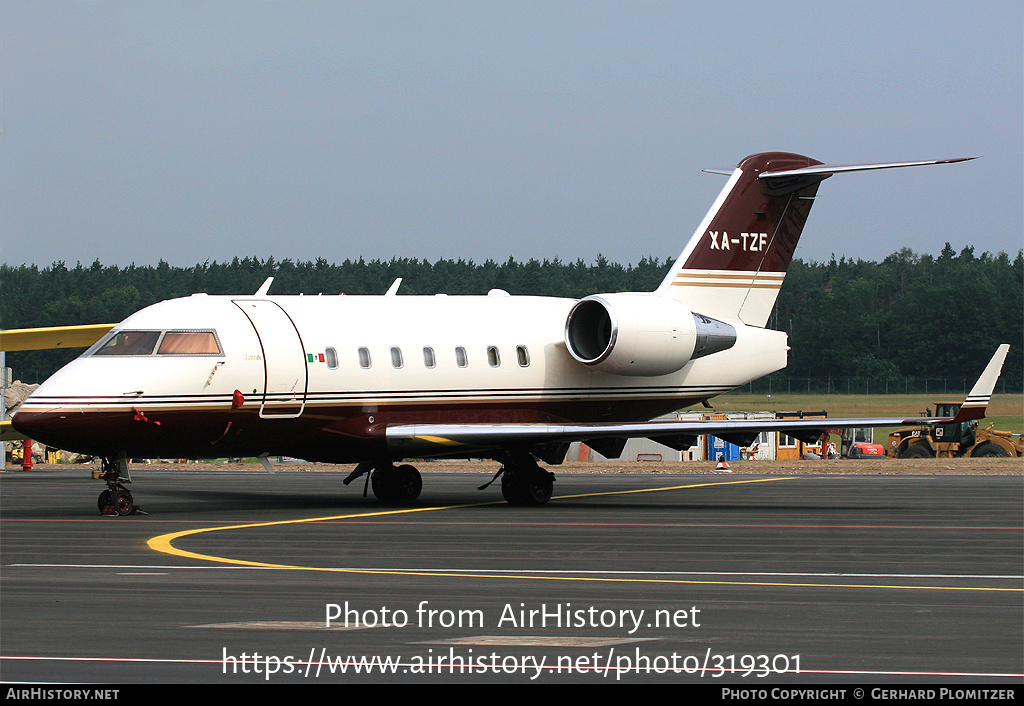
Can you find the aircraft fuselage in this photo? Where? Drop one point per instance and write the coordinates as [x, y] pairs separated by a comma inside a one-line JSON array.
[[322, 377]]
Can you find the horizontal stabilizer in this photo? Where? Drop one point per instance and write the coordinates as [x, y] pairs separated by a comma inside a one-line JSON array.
[[827, 169]]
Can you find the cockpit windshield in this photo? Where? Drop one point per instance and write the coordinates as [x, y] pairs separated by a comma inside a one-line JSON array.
[[170, 343], [129, 343]]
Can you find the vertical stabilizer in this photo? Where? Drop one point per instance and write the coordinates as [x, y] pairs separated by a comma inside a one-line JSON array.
[[733, 266]]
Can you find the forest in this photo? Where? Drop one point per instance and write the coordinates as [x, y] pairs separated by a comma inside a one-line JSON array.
[[865, 325]]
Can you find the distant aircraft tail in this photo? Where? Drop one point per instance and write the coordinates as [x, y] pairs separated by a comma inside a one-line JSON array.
[[977, 400], [733, 266]]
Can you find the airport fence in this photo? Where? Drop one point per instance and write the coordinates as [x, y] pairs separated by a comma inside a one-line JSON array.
[[851, 385]]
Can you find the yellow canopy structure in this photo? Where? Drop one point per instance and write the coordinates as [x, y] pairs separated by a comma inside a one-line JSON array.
[[9, 433], [31, 339]]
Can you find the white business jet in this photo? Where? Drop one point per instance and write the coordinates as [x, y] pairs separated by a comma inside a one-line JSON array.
[[372, 380]]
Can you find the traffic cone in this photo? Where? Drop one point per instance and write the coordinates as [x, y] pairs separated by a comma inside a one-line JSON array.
[[722, 465]]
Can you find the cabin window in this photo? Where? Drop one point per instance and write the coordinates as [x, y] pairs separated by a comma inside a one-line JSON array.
[[786, 441], [522, 356], [129, 343], [189, 343], [364, 358], [396, 357], [493, 357], [331, 358], [428, 357], [460, 357]]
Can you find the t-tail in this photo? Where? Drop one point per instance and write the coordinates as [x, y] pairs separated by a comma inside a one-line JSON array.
[[733, 266]]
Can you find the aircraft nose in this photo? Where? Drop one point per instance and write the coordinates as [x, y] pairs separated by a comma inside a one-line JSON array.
[[42, 426], [59, 427]]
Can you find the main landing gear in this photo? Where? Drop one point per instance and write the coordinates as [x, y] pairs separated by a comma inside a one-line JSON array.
[[116, 499], [523, 482], [390, 483]]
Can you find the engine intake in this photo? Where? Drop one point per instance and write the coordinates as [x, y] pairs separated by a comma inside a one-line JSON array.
[[641, 334]]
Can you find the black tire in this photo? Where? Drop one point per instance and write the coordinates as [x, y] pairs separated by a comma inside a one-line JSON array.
[[396, 485], [538, 487], [990, 450], [104, 502], [382, 483], [917, 451], [532, 487], [408, 484], [512, 489]]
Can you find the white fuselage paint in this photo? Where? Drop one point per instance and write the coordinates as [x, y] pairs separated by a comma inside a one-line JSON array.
[[340, 407]]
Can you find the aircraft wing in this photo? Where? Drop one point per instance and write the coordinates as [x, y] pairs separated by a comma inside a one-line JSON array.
[[455, 438], [31, 339]]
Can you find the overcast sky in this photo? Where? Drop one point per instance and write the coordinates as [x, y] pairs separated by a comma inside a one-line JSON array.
[[193, 131]]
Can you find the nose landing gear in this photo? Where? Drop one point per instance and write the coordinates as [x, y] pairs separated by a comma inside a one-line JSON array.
[[116, 499]]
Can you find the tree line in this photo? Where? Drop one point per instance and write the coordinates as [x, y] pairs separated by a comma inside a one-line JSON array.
[[910, 315]]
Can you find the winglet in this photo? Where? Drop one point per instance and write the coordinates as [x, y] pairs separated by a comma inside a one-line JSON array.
[[979, 396]]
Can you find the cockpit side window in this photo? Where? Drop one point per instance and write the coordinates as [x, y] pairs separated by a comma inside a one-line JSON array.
[[129, 343], [189, 343]]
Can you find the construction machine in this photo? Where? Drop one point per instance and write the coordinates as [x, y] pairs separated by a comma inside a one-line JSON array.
[[953, 440]]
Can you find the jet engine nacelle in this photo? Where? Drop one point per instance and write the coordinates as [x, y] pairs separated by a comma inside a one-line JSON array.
[[641, 334]]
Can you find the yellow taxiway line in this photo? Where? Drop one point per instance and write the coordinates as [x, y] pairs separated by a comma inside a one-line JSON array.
[[164, 543]]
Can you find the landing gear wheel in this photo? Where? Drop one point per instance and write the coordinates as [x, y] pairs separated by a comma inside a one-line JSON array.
[[396, 485], [116, 499], [123, 502], [408, 484], [529, 486], [538, 487], [511, 488], [381, 484]]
